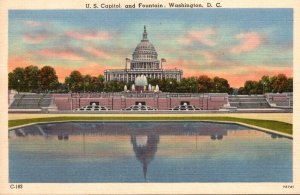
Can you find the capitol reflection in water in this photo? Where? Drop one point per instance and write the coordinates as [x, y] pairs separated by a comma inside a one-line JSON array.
[[147, 151]]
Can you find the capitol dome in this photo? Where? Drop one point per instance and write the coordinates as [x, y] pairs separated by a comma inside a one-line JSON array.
[[145, 47], [145, 50], [145, 61]]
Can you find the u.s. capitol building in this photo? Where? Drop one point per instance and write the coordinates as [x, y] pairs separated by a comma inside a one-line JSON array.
[[144, 62]]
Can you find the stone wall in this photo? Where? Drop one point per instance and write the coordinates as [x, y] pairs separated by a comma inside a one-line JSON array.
[[207, 102]]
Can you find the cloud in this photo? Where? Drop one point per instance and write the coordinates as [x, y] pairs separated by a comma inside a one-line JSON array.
[[88, 36], [204, 37], [32, 39], [181, 64], [97, 52], [201, 61], [196, 67], [248, 42], [37, 37], [208, 56], [32, 23], [66, 54]]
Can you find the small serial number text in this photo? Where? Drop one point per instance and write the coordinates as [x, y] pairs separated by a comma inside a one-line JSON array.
[[16, 186], [288, 186]]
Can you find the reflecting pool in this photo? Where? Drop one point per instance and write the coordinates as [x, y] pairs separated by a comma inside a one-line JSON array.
[[147, 152]]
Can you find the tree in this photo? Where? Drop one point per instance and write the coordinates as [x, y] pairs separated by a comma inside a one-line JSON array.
[[266, 83], [87, 83], [11, 81], [154, 81], [100, 83], [188, 85], [93, 84], [280, 83], [274, 84], [170, 85], [31, 78], [62, 88], [75, 81], [48, 78], [205, 84], [242, 91], [16, 79], [290, 85], [221, 85], [251, 87], [114, 86]]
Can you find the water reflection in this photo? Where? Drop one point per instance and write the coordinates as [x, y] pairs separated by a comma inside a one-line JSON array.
[[145, 147], [65, 130], [275, 136], [63, 137], [144, 137], [20, 132], [107, 141], [216, 137]]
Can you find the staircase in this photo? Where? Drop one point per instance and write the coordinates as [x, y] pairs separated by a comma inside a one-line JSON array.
[[248, 102]]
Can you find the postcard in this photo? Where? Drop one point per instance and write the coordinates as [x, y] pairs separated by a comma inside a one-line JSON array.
[[149, 97]]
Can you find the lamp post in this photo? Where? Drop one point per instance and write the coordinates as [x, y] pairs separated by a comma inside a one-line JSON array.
[[18, 85], [207, 101], [84, 84], [216, 88]]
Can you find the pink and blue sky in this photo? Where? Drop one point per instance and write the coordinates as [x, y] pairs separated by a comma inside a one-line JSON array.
[[236, 44]]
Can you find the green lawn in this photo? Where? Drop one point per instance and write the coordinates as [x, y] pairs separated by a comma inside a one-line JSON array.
[[268, 124]]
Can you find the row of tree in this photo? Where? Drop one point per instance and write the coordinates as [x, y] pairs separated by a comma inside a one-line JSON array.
[[275, 84], [33, 79], [200, 84], [76, 82]]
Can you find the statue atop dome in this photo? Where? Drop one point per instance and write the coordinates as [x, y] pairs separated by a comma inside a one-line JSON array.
[[145, 34]]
